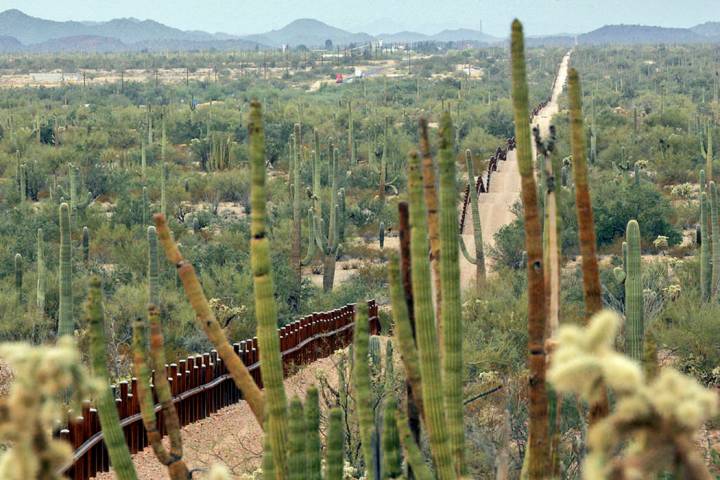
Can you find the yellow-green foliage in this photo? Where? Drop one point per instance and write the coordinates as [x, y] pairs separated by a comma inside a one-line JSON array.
[[33, 407]]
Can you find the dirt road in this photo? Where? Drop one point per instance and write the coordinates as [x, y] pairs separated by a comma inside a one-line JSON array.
[[495, 206]]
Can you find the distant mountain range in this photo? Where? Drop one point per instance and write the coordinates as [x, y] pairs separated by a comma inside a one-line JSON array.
[[22, 33]]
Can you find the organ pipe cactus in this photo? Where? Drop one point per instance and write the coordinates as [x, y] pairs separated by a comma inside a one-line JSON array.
[[381, 235], [538, 447], [479, 259], [296, 444], [429, 359], [105, 403], [404, 332], [450, 283], [361, 386], [66, 322], [40, 261], [413, 455], [172, 459], [312, 443], [18, 263], [431, 201], [391, 458], [334, 456], [153, 267], [591, 272], [265, 309], [145, 206], [207, 321], [715, 239]]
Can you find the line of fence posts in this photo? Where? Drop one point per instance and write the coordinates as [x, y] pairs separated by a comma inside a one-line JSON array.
[[201, 385], [483, 186]]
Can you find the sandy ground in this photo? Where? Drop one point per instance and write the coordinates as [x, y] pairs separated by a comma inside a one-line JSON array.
[[505, 187], [231, 436]]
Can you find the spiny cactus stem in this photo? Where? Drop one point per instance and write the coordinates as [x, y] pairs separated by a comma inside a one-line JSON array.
[[450, 283], [66, 322], [538, 448], [433, 395], [271, 366], [209, 324], [431, 202]]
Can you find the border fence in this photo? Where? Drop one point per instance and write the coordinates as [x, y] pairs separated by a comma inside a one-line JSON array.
[[201, 385]]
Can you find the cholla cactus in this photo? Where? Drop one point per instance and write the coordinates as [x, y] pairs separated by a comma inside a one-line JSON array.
[[661, 242], [667, 410], [33, 407]]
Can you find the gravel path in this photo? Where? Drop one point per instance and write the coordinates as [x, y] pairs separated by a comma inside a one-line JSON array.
[[504, 191], [231, 436]]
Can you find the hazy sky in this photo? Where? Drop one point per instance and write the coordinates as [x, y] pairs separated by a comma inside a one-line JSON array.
[[374, 16]]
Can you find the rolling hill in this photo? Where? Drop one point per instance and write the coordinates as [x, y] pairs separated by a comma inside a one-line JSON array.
[[311, 33], [23, 33]]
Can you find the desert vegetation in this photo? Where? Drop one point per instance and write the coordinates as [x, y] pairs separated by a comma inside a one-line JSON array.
[[145, 221]]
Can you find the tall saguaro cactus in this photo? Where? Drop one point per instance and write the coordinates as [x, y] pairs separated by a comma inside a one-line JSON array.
[[66, 322], [265, 308], [715, 239], [538, 408], [329, 244], [86, 245], [634, 327], [19, 277], [479, 259], [41, 280], [297, 218], [705, 256]]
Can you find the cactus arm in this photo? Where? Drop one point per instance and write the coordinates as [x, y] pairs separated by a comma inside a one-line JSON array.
[[413, 455], [209, 324], [477, 225], [296, 442], [452, 310], [107, 410], [334, 453], [538, 446], [18, 277], [66, 322], [391, 457], [465, 252], [271, 366], [362, 387], [432, 392], [312, 240], [312, 439], [634, 294], [431, 202]]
